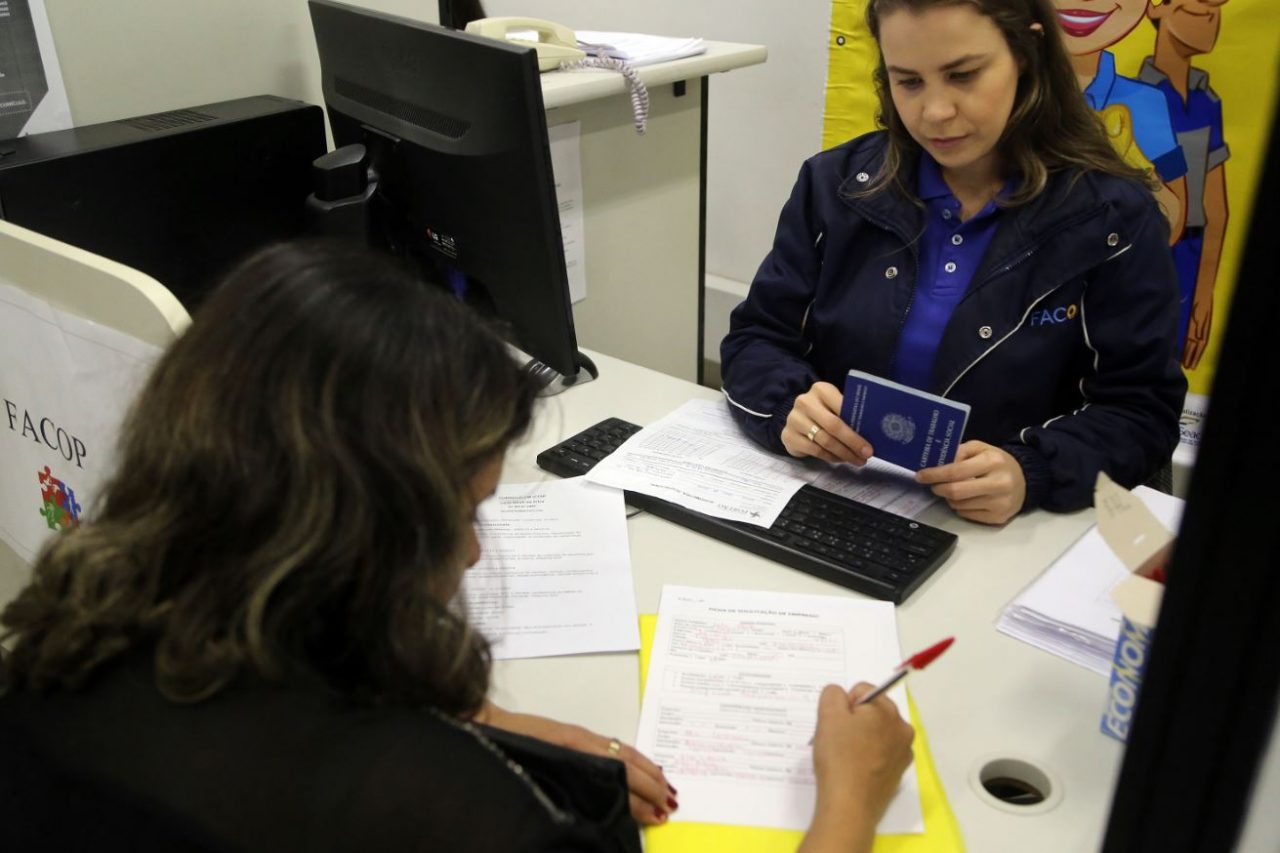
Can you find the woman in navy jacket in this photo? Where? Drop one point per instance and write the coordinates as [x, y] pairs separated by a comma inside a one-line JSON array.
[[987, 246]]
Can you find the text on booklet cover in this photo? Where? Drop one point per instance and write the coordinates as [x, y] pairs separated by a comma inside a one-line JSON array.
[[904, 425]]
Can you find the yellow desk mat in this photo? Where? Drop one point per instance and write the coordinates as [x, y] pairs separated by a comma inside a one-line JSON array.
[[941, 832]]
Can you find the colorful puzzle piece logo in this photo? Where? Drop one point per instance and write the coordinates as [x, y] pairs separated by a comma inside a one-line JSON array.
[[60, 510]]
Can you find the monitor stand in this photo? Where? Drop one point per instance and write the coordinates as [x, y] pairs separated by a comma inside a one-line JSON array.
[[554, 382]]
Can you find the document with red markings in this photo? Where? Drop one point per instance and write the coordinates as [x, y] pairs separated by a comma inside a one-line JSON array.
[[732, 694]]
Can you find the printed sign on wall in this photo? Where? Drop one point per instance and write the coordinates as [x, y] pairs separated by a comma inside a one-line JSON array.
[[1185, 88]]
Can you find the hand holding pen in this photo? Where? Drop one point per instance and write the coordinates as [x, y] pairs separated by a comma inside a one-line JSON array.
[[859, 756]]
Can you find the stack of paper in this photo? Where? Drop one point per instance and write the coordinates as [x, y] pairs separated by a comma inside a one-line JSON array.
[[639, 49], [1068, 610]]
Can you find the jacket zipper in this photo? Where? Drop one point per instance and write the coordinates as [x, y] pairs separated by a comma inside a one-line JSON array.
[[1004, 269], [1025, 314], [911, 245]]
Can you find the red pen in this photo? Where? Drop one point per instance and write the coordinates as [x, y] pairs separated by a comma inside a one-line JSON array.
[[917, 661]]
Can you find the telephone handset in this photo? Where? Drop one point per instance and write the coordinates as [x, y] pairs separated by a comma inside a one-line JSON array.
[[554, 43]]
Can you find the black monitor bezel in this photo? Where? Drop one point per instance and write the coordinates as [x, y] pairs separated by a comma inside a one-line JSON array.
[[410, 91]]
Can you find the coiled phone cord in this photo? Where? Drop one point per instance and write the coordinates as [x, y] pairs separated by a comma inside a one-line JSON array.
[[638, 91]]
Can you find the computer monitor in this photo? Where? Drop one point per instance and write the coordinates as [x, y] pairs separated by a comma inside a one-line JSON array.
[[1209, 699], [453, 139]]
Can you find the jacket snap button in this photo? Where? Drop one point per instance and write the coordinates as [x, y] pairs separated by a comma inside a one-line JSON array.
[[891, 272], [862, 177], [1113, 239], [984, 332]]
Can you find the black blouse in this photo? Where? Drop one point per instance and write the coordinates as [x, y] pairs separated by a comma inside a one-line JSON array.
[[264, 767]]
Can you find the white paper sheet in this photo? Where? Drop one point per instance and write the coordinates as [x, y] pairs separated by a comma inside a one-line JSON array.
[[566, 165], [554, 576], [731, 699], [65, 385], [699, 458], [878, 484], [1068, 610]]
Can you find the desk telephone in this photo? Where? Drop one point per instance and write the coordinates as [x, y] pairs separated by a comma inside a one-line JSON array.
[[557, 48], [554, 43]]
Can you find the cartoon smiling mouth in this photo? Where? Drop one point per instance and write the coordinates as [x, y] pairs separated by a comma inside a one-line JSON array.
[[1081, 22]]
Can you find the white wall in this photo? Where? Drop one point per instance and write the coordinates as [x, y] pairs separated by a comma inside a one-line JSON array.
[[142, 56], [764, 120]]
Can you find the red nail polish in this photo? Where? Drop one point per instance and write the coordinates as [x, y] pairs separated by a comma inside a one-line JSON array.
[[671, 801], [672, 789], [660, 814]]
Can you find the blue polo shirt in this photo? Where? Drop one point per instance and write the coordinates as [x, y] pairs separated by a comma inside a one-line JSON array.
[[950, 251], [1151, 127]]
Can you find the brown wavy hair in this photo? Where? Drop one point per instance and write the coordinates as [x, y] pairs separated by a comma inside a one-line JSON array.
[[1051, 127], [292, 495]]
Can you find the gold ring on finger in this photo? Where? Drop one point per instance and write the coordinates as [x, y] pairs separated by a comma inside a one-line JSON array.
[[812, 434], [615, 747]]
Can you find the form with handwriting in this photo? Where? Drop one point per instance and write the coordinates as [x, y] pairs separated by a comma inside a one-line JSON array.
[[731, 699]]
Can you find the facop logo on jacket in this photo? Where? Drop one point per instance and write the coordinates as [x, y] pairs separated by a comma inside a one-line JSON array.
[[1053, 316], [60, 510]]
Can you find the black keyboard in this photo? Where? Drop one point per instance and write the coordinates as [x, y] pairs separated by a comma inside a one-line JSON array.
[[827, 535]]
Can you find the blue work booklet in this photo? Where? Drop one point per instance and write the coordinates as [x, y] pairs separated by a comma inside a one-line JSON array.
[[905, 426]]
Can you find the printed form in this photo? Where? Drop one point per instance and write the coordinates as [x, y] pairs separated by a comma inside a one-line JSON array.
[[699, 458], [732, 694], [554, 576]]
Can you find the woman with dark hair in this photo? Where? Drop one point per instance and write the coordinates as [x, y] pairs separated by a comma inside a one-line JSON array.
[[987, 245], [252, 643]]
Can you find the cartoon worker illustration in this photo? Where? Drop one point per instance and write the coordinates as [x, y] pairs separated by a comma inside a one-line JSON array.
[[1134, 113], [1185, 29]]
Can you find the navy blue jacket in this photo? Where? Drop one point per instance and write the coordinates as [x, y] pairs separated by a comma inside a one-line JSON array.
[[1064, 344]]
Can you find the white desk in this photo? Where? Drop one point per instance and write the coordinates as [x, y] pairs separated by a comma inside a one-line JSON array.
[[644, 205], [991, 697]]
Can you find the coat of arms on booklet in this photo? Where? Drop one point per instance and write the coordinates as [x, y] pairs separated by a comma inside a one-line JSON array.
[[905, 426]]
